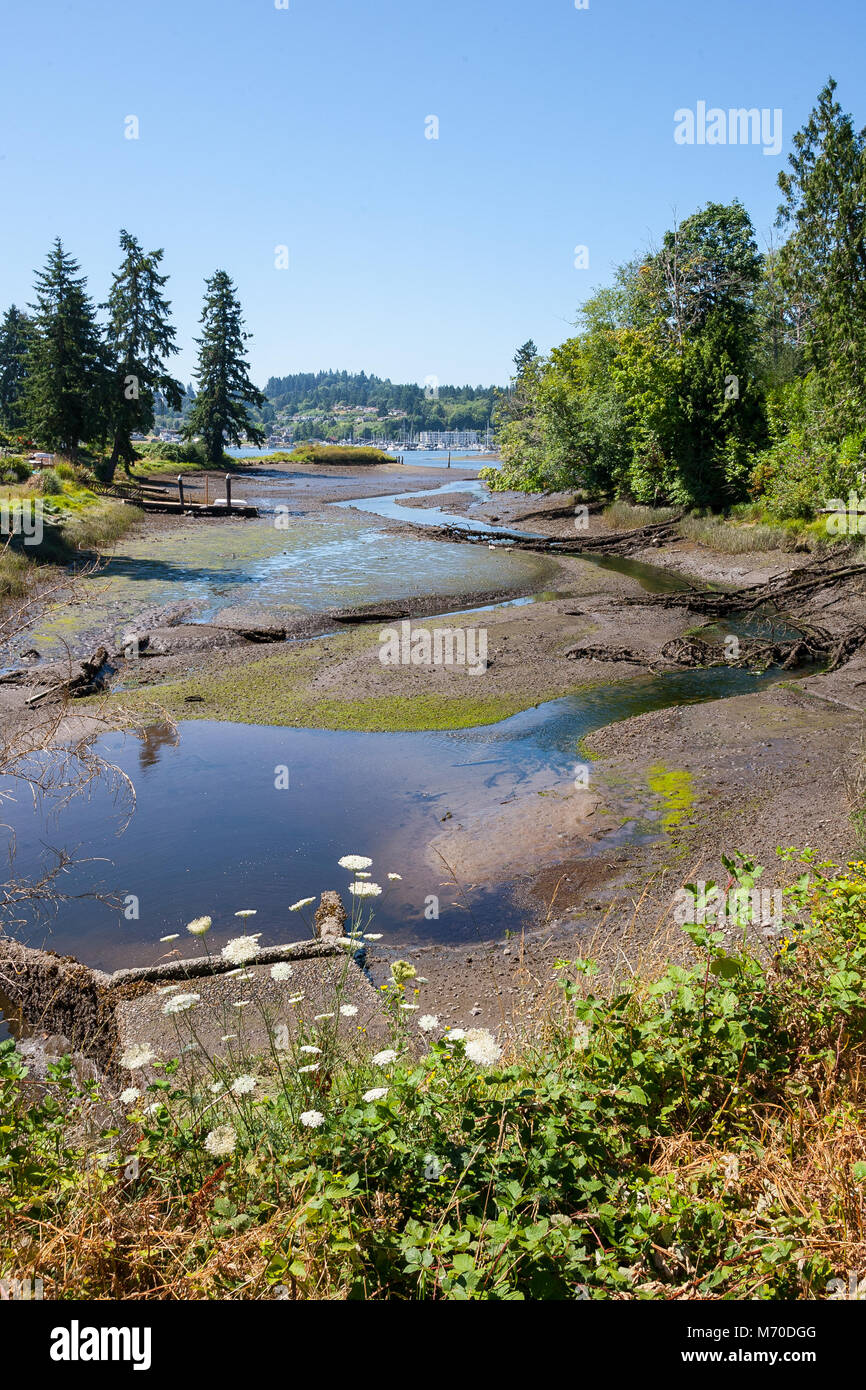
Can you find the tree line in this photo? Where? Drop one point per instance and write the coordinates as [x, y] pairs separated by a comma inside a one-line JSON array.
[[430, 407], [67, 379], [710, 372]]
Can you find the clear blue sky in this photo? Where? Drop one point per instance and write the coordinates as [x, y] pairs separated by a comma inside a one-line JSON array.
[[305, 127]]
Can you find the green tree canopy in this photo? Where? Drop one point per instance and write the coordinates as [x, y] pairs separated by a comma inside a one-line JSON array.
[[225, 390], [139, 339], [66, 375], [16, 336], [823, 262]]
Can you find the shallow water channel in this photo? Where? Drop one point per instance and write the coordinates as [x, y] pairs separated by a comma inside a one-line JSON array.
[[213, 833]]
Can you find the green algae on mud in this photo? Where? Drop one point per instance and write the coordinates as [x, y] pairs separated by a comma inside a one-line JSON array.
[[279, 690], [674, 788]]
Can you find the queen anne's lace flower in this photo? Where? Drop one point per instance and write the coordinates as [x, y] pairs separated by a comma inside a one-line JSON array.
[[312, 1119], [240, 950], [221, 1141], [385, 1058], [179, 1003], [360, 889], [137, 1056], [242, 1085], [377, 1093], [354, 862], [200, 927], [481, 1047], [428, 1023], [281, 971]]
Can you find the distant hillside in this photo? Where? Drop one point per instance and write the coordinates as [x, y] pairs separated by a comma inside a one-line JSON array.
[[355, 407], [336, 394]]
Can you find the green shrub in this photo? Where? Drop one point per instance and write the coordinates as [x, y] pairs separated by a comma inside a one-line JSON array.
[[336, 454], [695, 1135], [172, 453], [14, 469], [49, 484]]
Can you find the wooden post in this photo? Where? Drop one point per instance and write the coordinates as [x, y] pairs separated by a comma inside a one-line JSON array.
[[228, 492], [180, 489], [449, 458]]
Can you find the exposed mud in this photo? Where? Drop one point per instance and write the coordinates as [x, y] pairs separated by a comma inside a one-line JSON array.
[[597, 868]]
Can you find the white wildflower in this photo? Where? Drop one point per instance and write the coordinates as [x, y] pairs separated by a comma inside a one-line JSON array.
[[354, 862], [180, 1003], [428, 1023], [312, 1066], [130, 1095], [481, 1047], [247, 912], [384, 1059], [137, 1056], [240, 950], [221, 1141], [582, 1035], [365, 890], [312, 1119], [242, 1085], [373, 936], [200, 926], [281, 971], [348, 1010], [396, 878], [173, 937], [313, 1051], [377, 1093], [302, 902]]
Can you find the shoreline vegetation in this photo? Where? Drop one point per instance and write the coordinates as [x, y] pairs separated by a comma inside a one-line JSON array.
[[661, 1101], [692, 1133]]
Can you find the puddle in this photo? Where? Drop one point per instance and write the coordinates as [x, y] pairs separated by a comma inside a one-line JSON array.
[[212, 833]]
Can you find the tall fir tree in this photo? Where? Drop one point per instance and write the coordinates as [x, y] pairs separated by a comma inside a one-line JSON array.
[[16, 335], [139, 338], [225, 391], [65, 391], [823, 263]]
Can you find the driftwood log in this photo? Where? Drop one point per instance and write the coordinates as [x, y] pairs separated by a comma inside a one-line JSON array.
[[88, 680]]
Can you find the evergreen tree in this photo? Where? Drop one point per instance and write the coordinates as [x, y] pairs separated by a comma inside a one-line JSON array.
[[65, 390], [224, 387], [139, 339], [16, 334], [823, 263]]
